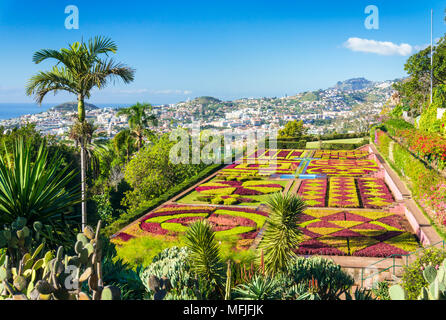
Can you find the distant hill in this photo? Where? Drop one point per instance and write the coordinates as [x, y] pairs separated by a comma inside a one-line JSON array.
[[354, 84], [72, 106], [206, 100]]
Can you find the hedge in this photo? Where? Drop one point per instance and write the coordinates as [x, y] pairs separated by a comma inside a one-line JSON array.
[[342, 146], [130, 216]]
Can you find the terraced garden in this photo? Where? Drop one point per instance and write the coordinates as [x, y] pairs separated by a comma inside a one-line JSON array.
[[349, 207]]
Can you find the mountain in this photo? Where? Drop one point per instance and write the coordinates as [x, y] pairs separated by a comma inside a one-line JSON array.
[[72, 107], [354, 84]]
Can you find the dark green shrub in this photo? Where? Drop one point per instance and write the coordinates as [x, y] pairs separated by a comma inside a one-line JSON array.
[[413, 280], [381, 290], [332, 281]]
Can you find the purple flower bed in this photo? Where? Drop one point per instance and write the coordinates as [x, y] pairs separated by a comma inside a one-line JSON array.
[[393, 221], [315, 247], [247, 192], [154, 228], [282, 154], [124, 236], [380, 250], [342, 216]]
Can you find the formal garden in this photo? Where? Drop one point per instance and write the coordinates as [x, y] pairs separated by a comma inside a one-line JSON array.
[[273, 224]]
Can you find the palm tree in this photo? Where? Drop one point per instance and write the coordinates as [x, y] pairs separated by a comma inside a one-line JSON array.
[[124, 140], [79, 69], [139, 120], [205, 255], [281, 235]]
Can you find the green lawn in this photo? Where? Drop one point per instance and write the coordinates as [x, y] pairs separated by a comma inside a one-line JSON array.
[[315, 144]]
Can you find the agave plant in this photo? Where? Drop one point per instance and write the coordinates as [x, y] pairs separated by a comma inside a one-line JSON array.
[[259, 288], [205, 258], [35, 189], [281, 231]]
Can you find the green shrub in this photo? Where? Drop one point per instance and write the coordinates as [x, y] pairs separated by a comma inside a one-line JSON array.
[[384, 142], [413, 280], [381, 290], [332, 281], [173, 264]]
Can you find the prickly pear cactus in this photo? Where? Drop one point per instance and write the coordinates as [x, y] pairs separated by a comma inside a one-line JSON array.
[[59, 276], [435, 276]]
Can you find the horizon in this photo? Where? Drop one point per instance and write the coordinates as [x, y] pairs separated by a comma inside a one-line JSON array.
[[55, 103], [228, 50]]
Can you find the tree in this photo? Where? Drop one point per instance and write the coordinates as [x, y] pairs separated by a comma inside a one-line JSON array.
[[293, 129], [281, 235], [415, 90], [123, 142], [139, 120], [79, 69]]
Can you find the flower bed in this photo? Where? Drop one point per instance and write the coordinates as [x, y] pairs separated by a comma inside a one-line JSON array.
[[260, 168], [342, 167], [341, 154], [173, 220], [343, 193], [313, 192], [354, 233], [374, 193]]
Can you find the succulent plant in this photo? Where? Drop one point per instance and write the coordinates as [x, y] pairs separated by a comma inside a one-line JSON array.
[[59, 276], [436, 290]]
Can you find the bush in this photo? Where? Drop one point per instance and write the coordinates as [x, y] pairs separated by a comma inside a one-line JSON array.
[[413, 280], [342, 146], [332, 281], [172, 263]]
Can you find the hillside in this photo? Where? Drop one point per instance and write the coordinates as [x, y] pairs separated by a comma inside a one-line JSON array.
[[72, 107], [354, 84]]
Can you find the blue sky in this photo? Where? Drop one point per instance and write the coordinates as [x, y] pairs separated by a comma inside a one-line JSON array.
[[222, 48]]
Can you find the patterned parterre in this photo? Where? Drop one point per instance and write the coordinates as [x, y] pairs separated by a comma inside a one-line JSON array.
[[342, 167], [354, 233], [172, 220]]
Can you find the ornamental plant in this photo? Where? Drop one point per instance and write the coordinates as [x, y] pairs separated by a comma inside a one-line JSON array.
[[281, 234]]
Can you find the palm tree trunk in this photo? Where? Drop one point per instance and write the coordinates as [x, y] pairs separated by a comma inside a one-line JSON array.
[[83, 186], [81, 116]]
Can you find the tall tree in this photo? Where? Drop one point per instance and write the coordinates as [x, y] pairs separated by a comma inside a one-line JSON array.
[[78, 70], [139, 120]]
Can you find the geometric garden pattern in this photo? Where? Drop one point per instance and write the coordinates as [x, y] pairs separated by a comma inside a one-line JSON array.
[[334, 185], [354, 232]]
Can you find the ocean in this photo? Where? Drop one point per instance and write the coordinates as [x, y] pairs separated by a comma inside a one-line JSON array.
[[15, 110]]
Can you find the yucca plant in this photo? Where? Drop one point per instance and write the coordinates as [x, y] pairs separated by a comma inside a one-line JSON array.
[[35, 189], [281, 234], [205, 258]]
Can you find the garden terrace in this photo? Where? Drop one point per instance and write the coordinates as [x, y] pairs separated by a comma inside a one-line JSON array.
[[351, 209]]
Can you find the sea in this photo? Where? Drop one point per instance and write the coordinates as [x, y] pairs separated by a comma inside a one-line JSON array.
[[15, 110]]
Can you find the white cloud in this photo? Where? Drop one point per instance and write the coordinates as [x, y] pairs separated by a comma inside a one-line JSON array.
[[385, 48]]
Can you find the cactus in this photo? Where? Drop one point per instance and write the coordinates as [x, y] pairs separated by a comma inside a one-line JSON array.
[[47, 278], [436, 289]]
